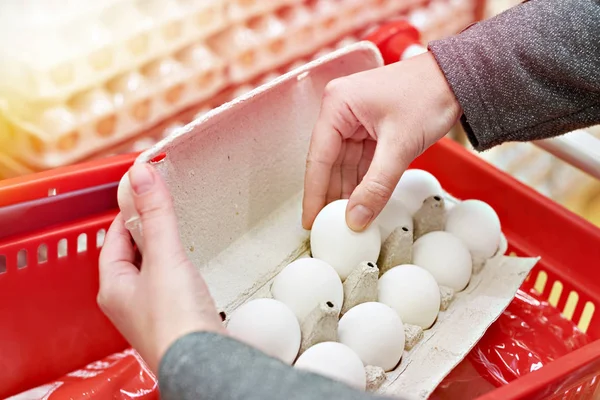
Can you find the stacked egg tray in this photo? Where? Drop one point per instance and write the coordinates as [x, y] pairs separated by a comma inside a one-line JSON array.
[[99, 76], [434, 24]]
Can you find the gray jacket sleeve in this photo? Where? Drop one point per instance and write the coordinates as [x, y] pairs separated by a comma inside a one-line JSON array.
[[529, 73], [208, 366]]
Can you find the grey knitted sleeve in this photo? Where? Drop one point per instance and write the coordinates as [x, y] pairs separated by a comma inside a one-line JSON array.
[[208, 366], [529, 73]]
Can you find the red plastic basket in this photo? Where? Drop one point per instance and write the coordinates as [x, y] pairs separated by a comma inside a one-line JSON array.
[[52, 325]]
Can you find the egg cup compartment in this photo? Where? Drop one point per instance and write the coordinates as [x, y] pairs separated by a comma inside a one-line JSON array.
[[236, 176], [262, 44], [241, 10]]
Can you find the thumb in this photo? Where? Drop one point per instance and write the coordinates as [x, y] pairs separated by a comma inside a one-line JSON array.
[[153, 202], [390, 160]]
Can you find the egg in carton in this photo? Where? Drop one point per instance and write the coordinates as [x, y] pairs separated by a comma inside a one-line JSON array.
[[88, 52], [99, 118], [236, 176]]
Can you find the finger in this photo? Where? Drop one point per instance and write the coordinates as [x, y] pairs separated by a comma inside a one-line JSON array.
[[335, 123], [116, 258], [335, 180], [117, 246], [389, 162], [153, 202], [366, 158], [352, 157]]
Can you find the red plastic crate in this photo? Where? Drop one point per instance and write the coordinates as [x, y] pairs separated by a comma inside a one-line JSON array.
[[52, 325]]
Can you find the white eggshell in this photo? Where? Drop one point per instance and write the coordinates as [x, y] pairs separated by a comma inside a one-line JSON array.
[[268, 325], [375, 332], [332, 241], [335, 361], [414, 187], [446, 257], [306, 283], [477, 225], [394, 215], [413, 292]]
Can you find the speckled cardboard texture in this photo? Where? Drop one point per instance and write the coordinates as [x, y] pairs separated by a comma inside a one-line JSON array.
[[236, 176]]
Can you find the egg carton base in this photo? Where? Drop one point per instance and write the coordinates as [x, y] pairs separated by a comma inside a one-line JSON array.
[[428, 359]]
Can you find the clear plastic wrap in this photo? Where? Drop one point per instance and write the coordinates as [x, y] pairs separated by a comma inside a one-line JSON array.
[[528, 335], [120, 376]]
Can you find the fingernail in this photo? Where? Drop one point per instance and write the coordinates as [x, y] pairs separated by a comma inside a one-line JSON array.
[[359, 217], [141, 178]]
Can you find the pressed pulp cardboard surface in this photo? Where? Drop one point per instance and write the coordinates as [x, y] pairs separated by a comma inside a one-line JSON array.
[[236, 176], [239, 163]]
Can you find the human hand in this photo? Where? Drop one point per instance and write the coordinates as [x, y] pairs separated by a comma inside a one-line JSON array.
[[167, 297], [372, 125]]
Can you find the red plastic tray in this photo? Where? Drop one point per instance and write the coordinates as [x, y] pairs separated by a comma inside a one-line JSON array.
[[51, 324]]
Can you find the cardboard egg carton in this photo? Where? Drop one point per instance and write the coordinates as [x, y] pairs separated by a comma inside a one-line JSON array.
[[236, 176], [104, 116], [88, 52]]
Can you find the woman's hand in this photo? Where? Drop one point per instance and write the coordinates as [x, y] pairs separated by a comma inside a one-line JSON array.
[[164, 299], [372, 125]]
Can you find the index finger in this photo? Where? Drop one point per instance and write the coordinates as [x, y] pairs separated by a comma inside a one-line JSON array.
[[335, 123]]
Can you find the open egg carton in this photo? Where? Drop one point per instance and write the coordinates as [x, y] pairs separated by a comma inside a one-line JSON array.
[[236, 175], [96, 79], [404, 317]]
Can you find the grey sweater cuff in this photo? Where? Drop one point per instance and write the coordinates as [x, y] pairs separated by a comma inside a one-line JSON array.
[[530, 73], [209, 366]]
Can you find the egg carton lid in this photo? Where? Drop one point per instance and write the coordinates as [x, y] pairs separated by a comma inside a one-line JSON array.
[[236, 175]]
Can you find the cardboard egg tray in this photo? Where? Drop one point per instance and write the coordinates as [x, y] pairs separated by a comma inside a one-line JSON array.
[[236, 175]]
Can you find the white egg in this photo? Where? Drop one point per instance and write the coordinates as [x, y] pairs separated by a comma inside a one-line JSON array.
[[332, 241], [477, 225], [335, 361], [268, 325], [394, 215], [414, 187], [446, 257], [375, 332], [306, 283], [413, 292]]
